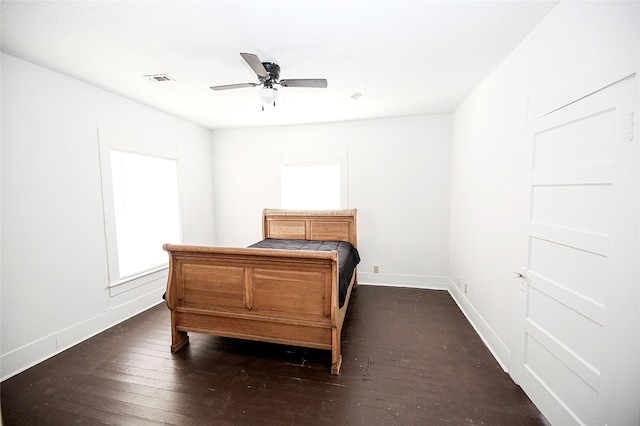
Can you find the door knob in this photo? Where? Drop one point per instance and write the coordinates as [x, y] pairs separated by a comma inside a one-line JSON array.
[[521, 277]]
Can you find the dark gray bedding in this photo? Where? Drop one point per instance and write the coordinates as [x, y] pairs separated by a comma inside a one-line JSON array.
[[348, 256]]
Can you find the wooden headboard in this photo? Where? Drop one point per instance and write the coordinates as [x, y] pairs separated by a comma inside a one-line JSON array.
[[310, 224]]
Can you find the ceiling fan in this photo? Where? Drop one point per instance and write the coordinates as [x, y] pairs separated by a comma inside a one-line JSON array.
[[269, 74]]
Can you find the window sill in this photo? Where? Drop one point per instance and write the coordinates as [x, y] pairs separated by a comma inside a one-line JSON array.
[[138, 280]]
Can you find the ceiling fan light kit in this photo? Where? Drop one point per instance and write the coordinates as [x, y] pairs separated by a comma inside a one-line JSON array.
[[268, 96], [269, 74]]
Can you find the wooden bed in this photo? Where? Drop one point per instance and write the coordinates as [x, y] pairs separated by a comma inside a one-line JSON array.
[[280, 296]]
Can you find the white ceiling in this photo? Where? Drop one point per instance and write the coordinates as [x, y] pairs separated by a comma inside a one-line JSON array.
[[404, 57]]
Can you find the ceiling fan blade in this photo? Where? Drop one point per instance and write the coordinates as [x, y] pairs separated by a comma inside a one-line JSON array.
[[233, 86], [305, 82], [255, 64]]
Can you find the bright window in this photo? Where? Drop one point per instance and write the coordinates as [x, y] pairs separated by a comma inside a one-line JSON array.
[[146, 209], [310, 186]]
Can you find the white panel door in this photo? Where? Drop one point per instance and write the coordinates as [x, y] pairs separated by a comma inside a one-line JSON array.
[[577, 354]]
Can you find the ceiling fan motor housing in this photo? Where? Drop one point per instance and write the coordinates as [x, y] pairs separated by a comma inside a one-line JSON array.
[[273, 70]]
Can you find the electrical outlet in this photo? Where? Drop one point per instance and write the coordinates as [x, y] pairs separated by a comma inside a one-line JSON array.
[[376, 269], [466, 287]]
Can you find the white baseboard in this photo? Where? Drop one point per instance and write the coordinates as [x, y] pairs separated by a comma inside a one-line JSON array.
[[27, 356], [496, 346], [397, 280]]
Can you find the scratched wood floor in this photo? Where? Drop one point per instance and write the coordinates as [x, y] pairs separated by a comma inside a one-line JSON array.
[[410, 358]]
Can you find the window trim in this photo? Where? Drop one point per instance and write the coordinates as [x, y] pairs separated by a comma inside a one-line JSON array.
[[108, 141]]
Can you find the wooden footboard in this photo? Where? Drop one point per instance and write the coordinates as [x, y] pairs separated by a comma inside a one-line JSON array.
[[279, 296]]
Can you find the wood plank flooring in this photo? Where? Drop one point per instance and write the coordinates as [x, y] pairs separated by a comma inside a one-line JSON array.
[[409, 358]]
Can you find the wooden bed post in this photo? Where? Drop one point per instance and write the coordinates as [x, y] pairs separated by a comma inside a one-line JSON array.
[[178, 338], [336, 324], [336, 355]]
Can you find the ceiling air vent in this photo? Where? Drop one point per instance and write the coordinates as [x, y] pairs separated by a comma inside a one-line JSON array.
[[157, 78]]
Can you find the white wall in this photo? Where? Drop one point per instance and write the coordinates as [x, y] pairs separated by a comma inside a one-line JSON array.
[[54, 269], [487, 131], [398, 179]]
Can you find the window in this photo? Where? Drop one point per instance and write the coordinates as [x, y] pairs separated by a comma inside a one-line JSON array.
[[141, 204], [310, 186], [147, 210]]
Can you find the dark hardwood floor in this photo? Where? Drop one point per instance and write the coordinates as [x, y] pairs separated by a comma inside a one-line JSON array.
[[410, 358]]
